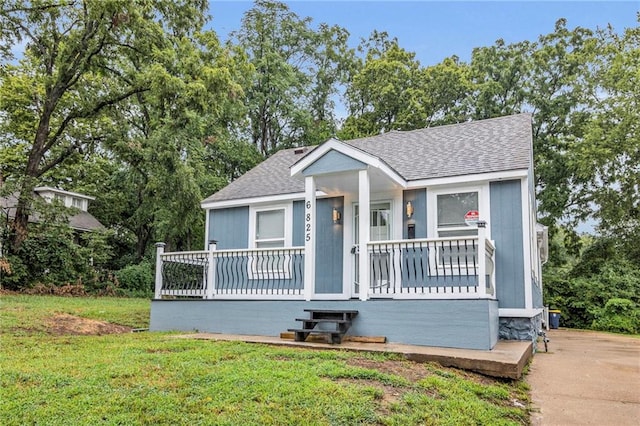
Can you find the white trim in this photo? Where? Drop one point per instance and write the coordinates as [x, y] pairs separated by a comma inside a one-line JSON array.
[[526, 243], [364, 200], [206, 228], [415, 184], [519, 313], [484, 205], [288, 223], [350, 151], [61, 191], [309, 237], [347, 244], [467, 179], [242, 202]]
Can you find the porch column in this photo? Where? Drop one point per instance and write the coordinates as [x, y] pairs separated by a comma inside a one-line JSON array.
[[211, 270], [482, 259], [309, 236], [159, 252], [364, 198]]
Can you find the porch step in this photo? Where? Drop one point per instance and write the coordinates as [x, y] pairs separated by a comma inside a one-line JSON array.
[[341, 318]]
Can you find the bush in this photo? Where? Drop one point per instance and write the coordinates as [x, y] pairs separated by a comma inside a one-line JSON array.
[[136, 280], [619, 316]]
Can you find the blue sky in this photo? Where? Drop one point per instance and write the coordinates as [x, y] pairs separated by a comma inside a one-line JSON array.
[[435, 30]]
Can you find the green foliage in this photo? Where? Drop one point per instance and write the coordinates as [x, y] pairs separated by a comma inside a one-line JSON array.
[[137, 279], [296, 70], [619, 316], [155, 378], [602, 275]]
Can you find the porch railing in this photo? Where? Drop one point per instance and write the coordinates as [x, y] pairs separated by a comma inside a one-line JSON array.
[[231, 274], [433, 268]]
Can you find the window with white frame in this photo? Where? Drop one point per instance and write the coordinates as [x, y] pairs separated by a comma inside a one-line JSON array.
[[452, 208], [77, 203], [269, 229], [447, 220]]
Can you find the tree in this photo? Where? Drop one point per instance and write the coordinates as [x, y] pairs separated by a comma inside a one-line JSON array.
[[297, 70], [81, 57], [608, 157], [386, 91]]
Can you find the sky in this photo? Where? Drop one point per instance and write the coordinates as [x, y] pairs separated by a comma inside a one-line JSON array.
[[435, 30]]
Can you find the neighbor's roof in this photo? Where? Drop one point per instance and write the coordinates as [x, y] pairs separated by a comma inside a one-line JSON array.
[[81, 221], [483, 146]]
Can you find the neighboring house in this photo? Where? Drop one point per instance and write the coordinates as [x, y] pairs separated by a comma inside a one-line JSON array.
[[81, 220], [430, 235]]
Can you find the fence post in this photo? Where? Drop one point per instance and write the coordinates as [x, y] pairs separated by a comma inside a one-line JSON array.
[[159, 252], [211, 272], [482, 259]]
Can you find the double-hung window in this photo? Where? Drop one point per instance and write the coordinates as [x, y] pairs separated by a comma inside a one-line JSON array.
[[447, 210], [270, 231]]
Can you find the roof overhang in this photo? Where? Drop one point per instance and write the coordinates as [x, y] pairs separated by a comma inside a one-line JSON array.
[[371, 161]]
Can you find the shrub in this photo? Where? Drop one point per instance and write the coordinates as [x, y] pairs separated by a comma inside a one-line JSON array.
[[136, 280], [619, 316]]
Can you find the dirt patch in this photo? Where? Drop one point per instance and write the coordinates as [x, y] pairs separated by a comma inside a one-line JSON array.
[[65, 324], [411, 371]]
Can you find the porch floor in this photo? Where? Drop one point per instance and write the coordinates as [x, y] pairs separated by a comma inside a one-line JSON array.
[[507, 359]]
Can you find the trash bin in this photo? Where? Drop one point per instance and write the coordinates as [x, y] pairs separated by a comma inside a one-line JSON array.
[[554, 318]]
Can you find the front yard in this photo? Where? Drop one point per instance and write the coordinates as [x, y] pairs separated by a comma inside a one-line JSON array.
[[71, 361]]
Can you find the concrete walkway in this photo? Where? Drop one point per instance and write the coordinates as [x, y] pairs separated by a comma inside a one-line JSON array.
[[586, 378], [506, 359]]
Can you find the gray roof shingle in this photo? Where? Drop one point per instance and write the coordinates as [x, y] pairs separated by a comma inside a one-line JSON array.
[[483, 146]]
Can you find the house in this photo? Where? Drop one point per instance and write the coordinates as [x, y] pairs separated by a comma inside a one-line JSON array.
[[427, 237], [81, 220]]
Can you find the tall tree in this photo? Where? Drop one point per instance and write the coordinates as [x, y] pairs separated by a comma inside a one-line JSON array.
[[607, 159], [81, 57], [386, 91], [297, 70]]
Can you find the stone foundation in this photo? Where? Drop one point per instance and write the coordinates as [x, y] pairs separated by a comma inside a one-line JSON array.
[[520, 329]]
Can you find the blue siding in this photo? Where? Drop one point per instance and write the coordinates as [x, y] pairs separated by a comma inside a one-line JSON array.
[[507, 231], [333, 162], [471, 324], [329, 244], [230, 227], [418, 198], [298, 224]]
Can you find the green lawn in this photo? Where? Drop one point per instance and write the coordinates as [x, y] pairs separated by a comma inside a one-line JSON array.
[[155, 378]]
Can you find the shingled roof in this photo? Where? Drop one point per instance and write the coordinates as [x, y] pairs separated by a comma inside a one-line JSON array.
[[483, 146]]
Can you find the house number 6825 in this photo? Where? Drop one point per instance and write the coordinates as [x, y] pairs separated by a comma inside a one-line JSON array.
[[307, 220]]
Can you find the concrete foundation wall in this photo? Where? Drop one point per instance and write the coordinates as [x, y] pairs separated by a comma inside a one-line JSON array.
[[447, 323]]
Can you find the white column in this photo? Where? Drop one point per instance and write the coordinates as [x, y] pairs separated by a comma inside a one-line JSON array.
[[364, 201], [159, 251], [211, 270], [482, 260], [309, 237]]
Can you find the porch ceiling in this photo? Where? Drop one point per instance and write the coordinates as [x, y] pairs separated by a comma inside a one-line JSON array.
[[347, 182]]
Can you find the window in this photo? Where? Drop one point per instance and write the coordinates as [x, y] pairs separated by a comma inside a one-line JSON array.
[[451, 210], [270, 229], [77, 203], [447, 209]]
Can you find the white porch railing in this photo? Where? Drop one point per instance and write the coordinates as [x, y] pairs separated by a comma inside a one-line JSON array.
[[436, 268], [231, 274], [431, 268]]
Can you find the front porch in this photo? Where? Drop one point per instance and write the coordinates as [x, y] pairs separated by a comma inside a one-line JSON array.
[[435, 268]]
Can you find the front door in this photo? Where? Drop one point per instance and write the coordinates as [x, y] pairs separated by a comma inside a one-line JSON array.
[[380, 226]]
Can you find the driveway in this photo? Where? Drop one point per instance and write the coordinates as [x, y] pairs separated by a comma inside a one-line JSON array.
[[586, 378]]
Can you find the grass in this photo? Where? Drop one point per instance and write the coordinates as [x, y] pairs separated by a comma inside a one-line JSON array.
[[156, 378]]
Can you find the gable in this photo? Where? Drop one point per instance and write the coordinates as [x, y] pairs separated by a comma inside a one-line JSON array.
[[332, 162]]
